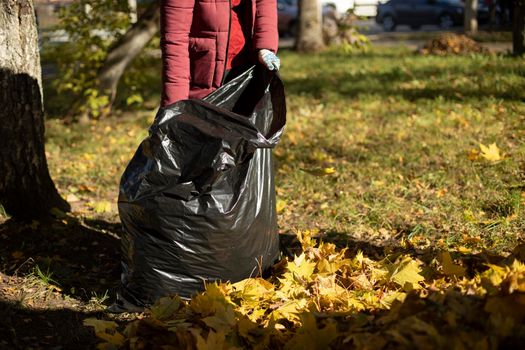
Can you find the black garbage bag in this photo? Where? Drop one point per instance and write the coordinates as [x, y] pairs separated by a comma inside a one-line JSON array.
[[197, 200]]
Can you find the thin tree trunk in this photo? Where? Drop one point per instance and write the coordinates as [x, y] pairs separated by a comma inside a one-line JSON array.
[[26, 188], [471, 13], [127, 48], [518, 28], [310, 33], [132, 4]]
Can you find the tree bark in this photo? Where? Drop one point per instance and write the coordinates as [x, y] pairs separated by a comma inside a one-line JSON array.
[[26, 188], [310, 33], [132, 4], [518, 28], [471, 16], [126, 49]]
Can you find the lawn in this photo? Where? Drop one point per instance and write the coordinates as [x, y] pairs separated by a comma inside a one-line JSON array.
[[401, 131], [382, 153]]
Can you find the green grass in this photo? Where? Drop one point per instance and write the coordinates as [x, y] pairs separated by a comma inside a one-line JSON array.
[[397, 127], [45, 277]]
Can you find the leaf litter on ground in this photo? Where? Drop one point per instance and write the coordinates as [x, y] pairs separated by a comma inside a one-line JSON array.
[[324, 297]]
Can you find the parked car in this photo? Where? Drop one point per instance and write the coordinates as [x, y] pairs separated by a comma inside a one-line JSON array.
[[484, 9], [287, 17], [415, 13], [360, 8], [288, 12], [366, 8]]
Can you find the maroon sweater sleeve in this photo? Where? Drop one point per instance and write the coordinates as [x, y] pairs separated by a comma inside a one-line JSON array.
[[175, 24], [265, 34]]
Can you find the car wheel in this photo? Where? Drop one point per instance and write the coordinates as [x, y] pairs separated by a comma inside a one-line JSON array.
[[389, 25], [445, 21]]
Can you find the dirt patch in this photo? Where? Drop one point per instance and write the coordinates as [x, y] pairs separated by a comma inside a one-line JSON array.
[[53, 275]]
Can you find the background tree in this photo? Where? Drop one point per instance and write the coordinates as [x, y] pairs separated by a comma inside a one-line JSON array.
[[104, 39], [26, 188], [518, 28], [471, 19], [310, 33], [92, 27], [126, 49], [132, 4]]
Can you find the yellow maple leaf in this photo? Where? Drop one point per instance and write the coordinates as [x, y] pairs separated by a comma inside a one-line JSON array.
[[245, 326], [253, 288], [214, 341], [490, 153], [448, 266], [222, 321], [100, 325], [320, 171], [290, 309], [309, 336], [406, 273], [105, 330], [280, 206], [165, 307], [301, 267], [210, 301]]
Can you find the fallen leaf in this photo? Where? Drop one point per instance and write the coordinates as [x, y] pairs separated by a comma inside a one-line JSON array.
[[448, 266], [320, 171], [281, 204], [473, 154], [406, 273], [17, 254], [309, 336], [490, 153], [106, 330], [72, 198]]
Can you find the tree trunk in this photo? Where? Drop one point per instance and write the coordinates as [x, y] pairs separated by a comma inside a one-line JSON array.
[[471, 13], [132, 4], [126, 49], [518, 28], [310, 33], [26, 189]]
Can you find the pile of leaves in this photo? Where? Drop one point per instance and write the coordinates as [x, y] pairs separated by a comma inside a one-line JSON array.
[[452, 44], [324, 298]]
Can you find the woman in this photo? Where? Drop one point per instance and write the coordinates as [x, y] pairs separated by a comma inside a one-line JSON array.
[[202, 40]]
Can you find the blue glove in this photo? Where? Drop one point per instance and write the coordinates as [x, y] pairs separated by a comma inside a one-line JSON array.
[[269, 59]]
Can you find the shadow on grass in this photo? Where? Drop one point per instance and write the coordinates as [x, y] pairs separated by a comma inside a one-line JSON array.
[[22, 328], [83, 259], [386, 83]]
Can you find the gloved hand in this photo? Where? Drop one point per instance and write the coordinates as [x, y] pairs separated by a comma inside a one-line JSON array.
[[269, 59]]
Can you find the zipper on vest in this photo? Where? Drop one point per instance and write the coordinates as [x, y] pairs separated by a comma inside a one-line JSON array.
[[227, 43]]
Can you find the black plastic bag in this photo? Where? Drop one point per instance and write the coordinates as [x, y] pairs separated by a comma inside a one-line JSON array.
[[197, 200]]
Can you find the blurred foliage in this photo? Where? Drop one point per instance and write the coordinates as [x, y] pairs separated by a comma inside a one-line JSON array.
[[91, 28], [340, 30]]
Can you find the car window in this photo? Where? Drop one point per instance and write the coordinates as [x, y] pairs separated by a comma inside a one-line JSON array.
[[423, 2], [287, 2], [401, 2], [451, 2]]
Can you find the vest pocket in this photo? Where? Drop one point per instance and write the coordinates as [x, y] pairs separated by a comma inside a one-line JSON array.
[[202, 61]]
